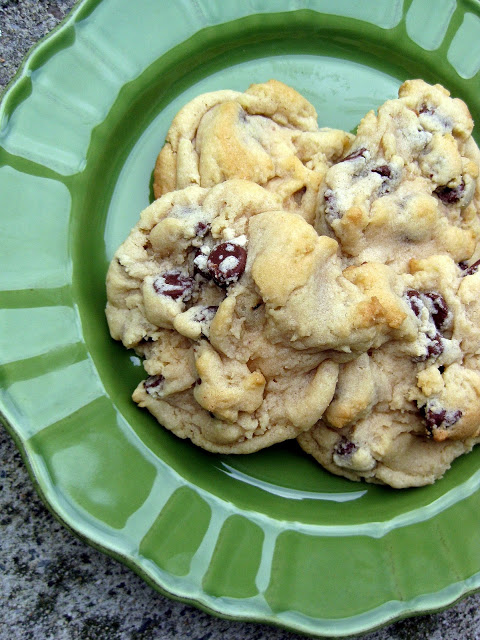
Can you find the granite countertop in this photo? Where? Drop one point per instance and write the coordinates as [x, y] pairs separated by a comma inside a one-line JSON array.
[[53, 585]]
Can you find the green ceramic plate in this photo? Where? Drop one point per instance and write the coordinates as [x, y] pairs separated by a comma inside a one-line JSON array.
[[267, 537]]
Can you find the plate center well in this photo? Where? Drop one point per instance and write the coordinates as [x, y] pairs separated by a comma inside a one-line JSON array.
[[343, 85]]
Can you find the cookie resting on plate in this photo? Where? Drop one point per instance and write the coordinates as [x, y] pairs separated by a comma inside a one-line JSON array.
[[268, 135], [408, 186], [243, 315], [401, 414]]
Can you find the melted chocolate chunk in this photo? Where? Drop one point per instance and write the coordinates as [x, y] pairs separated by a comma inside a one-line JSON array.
[[345, 448], [384, 171], [435, 347], [442, 120], [440, 418], [153, 383], [358, 153], [450, 195], [387, 176], [434, 302], [438, 308], [174, 285], [469, 270], [415, 301], [226, 263], [202, 229]]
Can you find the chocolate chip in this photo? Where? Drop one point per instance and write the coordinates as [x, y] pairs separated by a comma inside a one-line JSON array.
[[174, 285], [226, 263], [358, 153], [434, 302], [384, 171], [452, 417], [153, 383], [435, 347], [345, 448], [204, 316], [415, 301], [438, 308], [202, 229], [387, 176], [450, 195], [469, 270], [440, 418], [442, 120]]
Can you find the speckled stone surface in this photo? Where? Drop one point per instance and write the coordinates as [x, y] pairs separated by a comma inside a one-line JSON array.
[[55, 587]]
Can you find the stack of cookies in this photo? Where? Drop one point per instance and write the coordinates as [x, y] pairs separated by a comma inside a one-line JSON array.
[[297, 282]]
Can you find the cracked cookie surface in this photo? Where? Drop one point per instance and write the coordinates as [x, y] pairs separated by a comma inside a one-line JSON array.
[[239, 358], [292, 281], [267, 134], [402, 414], [408, 186]]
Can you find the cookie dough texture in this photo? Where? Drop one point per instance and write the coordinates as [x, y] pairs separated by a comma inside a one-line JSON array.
[[387, 448], [297, 282], [239, 358], [268, 135], [401, 415], [408, 186], [320, 305], [407, 195]]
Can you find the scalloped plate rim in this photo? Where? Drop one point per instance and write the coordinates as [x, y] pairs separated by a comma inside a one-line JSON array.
[[470, 585]]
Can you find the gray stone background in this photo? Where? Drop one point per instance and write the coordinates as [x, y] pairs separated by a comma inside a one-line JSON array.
[[55, 587]]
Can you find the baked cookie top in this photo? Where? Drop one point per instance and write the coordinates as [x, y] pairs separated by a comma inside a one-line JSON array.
[[238, 356], [402, 413], [408, 186], [385, 448], [296, 282], [268, 135]]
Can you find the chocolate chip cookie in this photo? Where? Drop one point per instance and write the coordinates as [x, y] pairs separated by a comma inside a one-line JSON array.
[[239, 358], [408, 186], [294, 282], [268, 134], [401, 414]]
